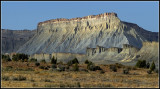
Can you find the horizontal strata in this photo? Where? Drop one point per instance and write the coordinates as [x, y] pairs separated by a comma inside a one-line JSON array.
[[78, 18]]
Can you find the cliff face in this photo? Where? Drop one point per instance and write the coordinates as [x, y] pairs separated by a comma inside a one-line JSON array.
[[75, 35], [12, 40]]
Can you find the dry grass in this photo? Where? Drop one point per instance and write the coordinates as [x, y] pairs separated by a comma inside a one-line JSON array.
[[36, 77]]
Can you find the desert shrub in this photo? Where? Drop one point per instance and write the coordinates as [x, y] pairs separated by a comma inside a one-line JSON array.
[[90, 63], [46, 68], [149, 71], [8, 68], [156, 71], [102, 72], [6, 58], [19, 78], [43, 61], [147, 65], [134, 68], [152, 67], [126, 71], [73, 61], [54, 66], [61, 67], [20, 57], [33, 60], [47, 80], [113, 68], [42, 67], [53, 60], [86, 62], [29, 69], [76, 67], [5, 78], [37, 64], [92, 67], [141, 64], [98, 68], [118, 65]]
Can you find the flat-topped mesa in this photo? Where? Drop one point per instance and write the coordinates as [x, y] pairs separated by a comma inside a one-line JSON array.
[[78, 18]]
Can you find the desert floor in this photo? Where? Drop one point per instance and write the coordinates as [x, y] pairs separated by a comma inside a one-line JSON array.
[[25, 74]]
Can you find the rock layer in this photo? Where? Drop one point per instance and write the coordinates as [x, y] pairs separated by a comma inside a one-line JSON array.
[[12, 40]]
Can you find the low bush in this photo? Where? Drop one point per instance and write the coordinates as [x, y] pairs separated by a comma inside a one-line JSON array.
[[102, 72], [19, 78], [42, 67], [156, 70], [8, 68], [147, 65], [152, 67], [141, 64], [6, 58], [20, 57], [92, 67], [125, 71], [5, 78], [43, 61], [76, 67], [60, 67], [113, 68], [149, 71], [37, 64], [33, 60], [53, 60], [118, 65], [86, 62], [73, 61], [54, 66]]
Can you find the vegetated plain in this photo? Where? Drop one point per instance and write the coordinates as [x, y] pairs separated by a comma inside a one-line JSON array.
[[29, 74]]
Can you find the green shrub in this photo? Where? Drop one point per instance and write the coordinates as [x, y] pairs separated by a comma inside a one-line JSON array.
[[141, 64], [5, 78], [53, 60], [113, 68], [54, 66], [102, 72], [20, 57], [149, 71], [152, 67], [8, 68], [92, 67], [118, 65], [37, 64], [19, 78], [73, 61], [33, 60], [60, 67], [42, 67], [147, 65], [126, 71], [156, 70], [76, 67], [6, 58], [43, 61], [86, 62]]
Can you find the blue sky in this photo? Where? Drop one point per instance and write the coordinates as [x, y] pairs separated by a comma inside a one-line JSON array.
[[19, 15]]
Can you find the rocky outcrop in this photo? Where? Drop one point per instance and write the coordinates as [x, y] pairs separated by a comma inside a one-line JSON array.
[[75, 35], [64, 57], [149, 52], [12, 40]]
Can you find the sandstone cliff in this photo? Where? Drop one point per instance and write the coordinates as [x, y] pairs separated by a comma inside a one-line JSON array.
[[76, 34]]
